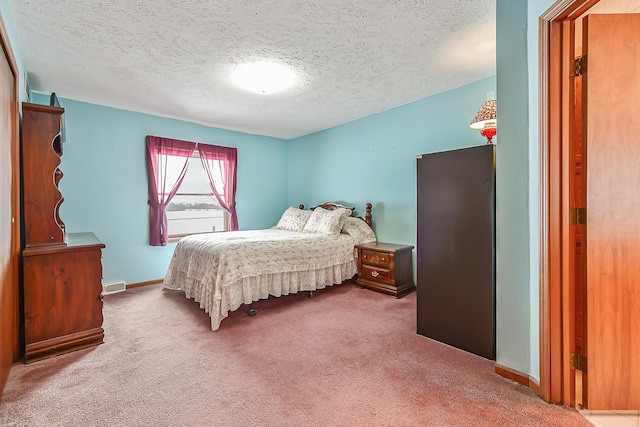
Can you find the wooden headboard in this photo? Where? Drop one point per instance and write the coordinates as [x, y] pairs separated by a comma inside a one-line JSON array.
[[333, 206]]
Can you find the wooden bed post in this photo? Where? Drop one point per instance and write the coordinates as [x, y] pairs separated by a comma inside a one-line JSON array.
[[367, 216]]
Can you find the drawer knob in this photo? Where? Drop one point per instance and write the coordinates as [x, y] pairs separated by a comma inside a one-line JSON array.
[[375, 273]]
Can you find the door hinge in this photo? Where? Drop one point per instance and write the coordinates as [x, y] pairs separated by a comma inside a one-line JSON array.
[[577, 216], [579, 66], [579, 362]]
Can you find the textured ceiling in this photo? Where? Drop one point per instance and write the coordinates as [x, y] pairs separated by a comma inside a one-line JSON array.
[[173, 58]]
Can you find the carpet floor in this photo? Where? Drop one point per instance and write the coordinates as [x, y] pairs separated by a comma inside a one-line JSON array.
[[347, 357]]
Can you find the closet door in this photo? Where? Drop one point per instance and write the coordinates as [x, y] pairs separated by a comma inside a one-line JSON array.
[[456, 247]]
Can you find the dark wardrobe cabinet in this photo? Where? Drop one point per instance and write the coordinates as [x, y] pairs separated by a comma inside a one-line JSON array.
[[456, 248]]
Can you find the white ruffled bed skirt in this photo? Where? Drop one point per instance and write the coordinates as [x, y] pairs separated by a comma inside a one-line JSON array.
[[254, 288]]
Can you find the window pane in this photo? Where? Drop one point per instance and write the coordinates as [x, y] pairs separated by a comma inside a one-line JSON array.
[[194, 214], [194, 209], [195, 181], [174, 166]]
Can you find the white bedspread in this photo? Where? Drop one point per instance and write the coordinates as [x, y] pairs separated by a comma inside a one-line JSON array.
[[221, 271]]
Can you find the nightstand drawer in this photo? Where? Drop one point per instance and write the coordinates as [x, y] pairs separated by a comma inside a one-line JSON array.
[[376, 258], [380, 275]]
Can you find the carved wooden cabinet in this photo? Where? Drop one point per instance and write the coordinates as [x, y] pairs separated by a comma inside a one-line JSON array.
[[386, 268], [62, 273], [41, 152]]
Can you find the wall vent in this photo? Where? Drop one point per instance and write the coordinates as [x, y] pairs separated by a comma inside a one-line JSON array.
[[112, 288]]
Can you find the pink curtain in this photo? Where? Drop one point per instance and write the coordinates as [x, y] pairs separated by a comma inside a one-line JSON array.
[[221, 164], [163, 187]]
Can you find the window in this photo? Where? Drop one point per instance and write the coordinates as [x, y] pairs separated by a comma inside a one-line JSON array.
[[201, 177], [194, 208]]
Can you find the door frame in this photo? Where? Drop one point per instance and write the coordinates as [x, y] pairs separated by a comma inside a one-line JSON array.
[[13, 328], [556, 37]]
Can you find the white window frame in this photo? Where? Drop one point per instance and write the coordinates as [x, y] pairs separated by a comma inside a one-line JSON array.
[[175, 236]]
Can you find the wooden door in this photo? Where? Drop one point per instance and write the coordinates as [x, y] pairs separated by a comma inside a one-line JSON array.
[[611, 94]]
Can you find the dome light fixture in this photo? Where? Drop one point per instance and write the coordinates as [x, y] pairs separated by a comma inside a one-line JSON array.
[[263, 77]]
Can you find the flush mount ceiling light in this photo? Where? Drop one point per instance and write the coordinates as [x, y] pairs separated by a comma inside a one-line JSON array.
[[263, 77]]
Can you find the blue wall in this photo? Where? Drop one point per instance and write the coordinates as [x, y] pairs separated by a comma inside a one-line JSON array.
[[7, 18], [374, 159], [105, 182], [514, 234], [369, 160]]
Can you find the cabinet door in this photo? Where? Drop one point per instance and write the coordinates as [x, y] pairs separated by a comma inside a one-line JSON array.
[[62, 294]]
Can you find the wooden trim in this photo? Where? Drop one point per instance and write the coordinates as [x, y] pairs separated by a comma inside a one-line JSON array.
[[554, 195], [141, 284], [41, 108], [58, 249], [544, 268], [551, 216], [12, 328], [518, 377], [16, 207], [564, 10], [512, 375], [534, 386], [64, 344], [580, 8], [566, 315], [555, 374]]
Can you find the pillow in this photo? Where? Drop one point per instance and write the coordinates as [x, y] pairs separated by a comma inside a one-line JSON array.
[[327, 222], [359, 230], [293, 219]]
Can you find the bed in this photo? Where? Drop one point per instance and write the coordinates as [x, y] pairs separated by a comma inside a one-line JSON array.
[[307, 250]]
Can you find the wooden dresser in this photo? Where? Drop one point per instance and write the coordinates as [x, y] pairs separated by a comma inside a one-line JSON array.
[[386, 268], [62, 273]]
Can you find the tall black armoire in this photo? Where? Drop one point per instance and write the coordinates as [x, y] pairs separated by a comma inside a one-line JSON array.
[[456, 248]]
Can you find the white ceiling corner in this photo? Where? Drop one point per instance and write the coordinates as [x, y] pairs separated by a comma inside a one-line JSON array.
[[173, 58]]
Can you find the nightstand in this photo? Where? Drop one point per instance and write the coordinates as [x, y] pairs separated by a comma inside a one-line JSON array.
[[386, 268]]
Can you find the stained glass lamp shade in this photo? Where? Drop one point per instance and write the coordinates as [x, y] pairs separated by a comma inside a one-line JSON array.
[[485, 120]]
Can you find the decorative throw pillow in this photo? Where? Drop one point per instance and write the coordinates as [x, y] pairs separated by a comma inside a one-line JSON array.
[[359, 230], [293, 219], [327, 222]]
